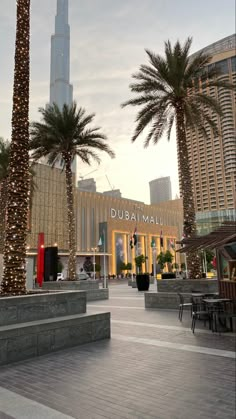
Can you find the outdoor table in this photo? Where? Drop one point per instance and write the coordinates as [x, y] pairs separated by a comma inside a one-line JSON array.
[[216, 300]]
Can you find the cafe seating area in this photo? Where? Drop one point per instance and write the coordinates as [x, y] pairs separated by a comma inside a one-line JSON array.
[[213, 310]]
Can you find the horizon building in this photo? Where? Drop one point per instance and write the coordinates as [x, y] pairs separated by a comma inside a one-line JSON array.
[[160, 190], [213, 159], [61, 91]]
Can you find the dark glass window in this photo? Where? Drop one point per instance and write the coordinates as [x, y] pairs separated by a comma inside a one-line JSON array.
[[233, 64], [222, 66]]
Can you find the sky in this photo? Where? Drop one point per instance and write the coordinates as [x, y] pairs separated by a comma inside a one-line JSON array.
[[108, 42]]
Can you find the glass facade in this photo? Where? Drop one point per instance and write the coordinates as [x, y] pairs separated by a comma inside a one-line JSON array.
[[210, 220]]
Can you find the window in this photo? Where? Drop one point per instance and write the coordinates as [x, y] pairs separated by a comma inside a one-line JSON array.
[[233, 64]]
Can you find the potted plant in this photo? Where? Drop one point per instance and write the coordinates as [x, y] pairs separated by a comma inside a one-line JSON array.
[[142, 279], [164, 258]]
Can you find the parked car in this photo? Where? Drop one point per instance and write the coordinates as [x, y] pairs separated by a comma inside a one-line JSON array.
[[60, 276], [82, 275]]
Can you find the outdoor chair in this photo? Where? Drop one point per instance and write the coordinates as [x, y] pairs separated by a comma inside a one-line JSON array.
[[226, 313], [183, 305], [200, 314]]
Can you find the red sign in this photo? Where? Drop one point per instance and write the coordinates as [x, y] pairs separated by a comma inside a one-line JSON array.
[[40, 259]]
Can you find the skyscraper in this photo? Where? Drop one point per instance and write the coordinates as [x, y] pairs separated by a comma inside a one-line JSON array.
[[213, 159], [160, 190], [61, 91]]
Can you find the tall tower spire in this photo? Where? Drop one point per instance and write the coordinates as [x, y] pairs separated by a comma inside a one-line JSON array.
[[61, 91]]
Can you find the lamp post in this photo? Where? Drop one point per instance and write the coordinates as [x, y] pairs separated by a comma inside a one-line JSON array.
[[94, 250], [153, 246]]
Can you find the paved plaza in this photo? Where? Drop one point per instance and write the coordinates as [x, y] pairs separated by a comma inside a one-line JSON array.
[[153, 367]]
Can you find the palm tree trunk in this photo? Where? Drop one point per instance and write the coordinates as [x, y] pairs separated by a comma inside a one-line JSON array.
[[193, 259], [71, 221], [14, 271], [3, 205]]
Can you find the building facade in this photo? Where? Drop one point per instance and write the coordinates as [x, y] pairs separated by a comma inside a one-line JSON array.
[[213, 159], [99, 216], [61, 91], [160, 190]]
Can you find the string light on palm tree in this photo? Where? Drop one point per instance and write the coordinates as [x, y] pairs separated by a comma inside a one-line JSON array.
[[14, 271]]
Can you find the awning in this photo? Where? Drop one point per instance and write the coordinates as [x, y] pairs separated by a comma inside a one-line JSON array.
[[226, 233]]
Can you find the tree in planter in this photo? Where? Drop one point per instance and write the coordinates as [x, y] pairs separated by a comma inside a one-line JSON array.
[[129, 267], [122, 266], [125, 266], [209, 258], [98, 268], [175, 266], [139, 260], [168, 259], [183, 266], [161, 260], [88, 265], [167, 90]]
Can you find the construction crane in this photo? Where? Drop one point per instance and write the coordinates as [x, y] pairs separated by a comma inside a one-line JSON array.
[[112, 187], [82, 177]]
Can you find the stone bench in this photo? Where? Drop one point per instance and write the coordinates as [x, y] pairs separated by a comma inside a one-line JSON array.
[[34, 338], [164, 300], [91, 287], [18, 309]]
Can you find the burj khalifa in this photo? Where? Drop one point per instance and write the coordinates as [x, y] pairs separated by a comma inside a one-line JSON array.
[[61, 91]]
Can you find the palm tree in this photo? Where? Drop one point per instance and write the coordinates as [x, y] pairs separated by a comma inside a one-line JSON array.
[[4, 165], [168, 90], [14, 270], [60, 137], [4, 162]]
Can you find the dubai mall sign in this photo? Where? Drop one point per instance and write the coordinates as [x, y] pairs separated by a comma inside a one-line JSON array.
[[132, 216]]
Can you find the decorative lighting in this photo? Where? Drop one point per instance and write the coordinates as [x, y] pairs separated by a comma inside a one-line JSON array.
[[14, 271]]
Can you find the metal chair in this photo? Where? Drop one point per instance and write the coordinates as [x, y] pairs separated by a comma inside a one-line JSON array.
[[200, 312], [226, 313], [183, 305]]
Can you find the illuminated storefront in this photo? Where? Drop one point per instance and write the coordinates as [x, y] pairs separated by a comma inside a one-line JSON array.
[[100, 215]]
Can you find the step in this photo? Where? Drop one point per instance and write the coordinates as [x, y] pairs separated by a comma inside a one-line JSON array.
[[39, 337]]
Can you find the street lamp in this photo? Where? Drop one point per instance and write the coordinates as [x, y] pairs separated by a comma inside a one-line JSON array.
[[94, 250], [153, 246]]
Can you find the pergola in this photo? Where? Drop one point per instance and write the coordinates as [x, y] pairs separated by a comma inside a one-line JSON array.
[[216, 239], [220, 240]]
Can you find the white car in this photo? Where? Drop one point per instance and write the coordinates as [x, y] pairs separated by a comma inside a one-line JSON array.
[[60, 276]]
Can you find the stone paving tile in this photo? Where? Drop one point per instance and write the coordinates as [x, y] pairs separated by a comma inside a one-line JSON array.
[[126, 380]]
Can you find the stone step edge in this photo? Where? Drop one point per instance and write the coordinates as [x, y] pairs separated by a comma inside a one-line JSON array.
[[84, 317]]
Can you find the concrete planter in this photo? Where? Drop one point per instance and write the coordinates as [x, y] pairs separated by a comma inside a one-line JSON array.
[[31, 325], [91, 287], [142, 282], [167, 295], [188, 285]]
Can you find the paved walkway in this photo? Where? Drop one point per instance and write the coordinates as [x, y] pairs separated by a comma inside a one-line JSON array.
[[153, 367]]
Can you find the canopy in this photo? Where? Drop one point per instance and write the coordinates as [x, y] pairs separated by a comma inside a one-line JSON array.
[[226, 233]]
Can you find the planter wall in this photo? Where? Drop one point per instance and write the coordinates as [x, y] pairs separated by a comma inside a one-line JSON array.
[[27, 308], [91, 287], [164, 300], [188, 285], [32, 325], [168, 275]]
